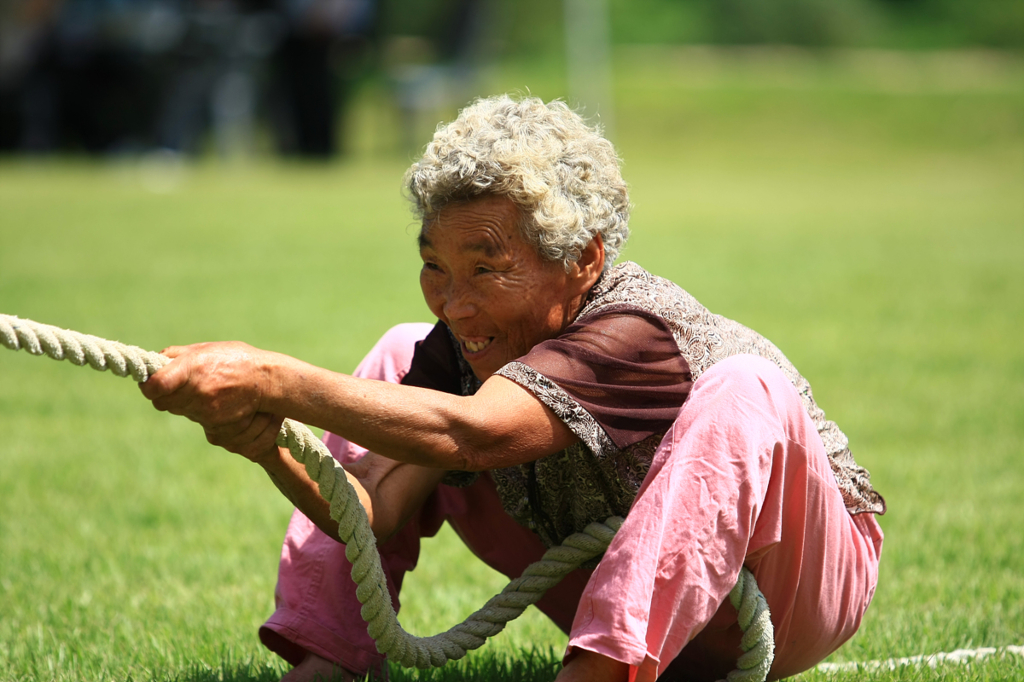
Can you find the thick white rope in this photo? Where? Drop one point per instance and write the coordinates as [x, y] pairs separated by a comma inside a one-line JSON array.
[[361, 546]]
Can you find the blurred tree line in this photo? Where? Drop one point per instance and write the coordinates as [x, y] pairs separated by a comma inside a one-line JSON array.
[[535, 26], [110, 76], [898, 24]]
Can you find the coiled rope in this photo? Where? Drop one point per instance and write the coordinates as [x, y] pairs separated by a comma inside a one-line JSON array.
[[361, 546]]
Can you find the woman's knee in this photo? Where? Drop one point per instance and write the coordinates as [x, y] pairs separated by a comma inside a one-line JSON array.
[[746, 370], [753, 380]]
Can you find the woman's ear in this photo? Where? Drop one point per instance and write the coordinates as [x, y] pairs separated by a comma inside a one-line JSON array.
[[591, 262]]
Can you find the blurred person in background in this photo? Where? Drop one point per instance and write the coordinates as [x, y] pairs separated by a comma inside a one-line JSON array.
[[555, 389], [323, 39], [21, 24], [218, 69], [113, 77], [77, 74]]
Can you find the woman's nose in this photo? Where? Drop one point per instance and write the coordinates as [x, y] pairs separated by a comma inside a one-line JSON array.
[[459, 303]]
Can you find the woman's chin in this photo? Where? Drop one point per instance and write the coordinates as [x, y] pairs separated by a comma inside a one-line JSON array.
[[484, 371], [485, 363]]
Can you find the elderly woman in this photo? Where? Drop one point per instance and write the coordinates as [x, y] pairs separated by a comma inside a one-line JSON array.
[[556, 389]]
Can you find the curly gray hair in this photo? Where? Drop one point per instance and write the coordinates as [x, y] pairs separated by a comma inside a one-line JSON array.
[[560, 172]]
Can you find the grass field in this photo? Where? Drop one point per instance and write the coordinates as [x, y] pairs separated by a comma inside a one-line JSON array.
[[873, 228]]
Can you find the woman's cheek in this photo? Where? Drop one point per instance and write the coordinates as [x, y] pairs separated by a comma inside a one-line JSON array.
[[431, 294]]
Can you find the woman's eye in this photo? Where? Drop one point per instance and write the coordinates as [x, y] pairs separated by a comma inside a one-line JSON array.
[[430, 266], [482, 270]]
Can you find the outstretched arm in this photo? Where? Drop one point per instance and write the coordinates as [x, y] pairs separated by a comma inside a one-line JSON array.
[[223, 386]]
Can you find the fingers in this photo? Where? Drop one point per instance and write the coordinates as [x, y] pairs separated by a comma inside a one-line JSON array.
[[166, 380], [217, 386], [171, 376], [174, 351], [264, 444], [239, 432], [252, 438], [165, 390], [214, 384]]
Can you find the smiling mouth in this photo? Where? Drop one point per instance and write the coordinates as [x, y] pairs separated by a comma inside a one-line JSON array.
[[476, 346]]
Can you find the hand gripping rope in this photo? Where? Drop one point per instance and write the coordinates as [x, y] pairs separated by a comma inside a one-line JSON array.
[[361, 546]]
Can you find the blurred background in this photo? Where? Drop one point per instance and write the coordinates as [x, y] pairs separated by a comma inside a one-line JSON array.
[[325, 78], [844, 176]]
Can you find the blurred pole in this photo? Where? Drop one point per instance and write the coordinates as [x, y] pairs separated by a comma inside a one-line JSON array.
[[588, 59]]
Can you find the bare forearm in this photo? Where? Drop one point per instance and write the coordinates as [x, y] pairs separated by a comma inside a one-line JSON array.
[[399, 424], [235, 391], [292, 480], [408, 424], [389, 491]]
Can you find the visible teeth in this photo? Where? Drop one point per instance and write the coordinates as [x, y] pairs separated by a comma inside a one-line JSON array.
[[476, 347]]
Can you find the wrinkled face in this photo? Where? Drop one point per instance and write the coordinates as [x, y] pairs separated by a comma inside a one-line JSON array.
[[492, 288]]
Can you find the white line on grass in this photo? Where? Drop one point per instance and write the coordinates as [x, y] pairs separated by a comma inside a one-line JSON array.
[[932, 660]]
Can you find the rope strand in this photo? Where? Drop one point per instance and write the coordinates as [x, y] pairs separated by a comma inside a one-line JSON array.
[[361, 546]]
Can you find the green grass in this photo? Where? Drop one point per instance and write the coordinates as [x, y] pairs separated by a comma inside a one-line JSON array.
[[876, 234]]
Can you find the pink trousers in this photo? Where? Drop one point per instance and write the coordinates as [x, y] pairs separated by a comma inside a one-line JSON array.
[[740, 479]]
